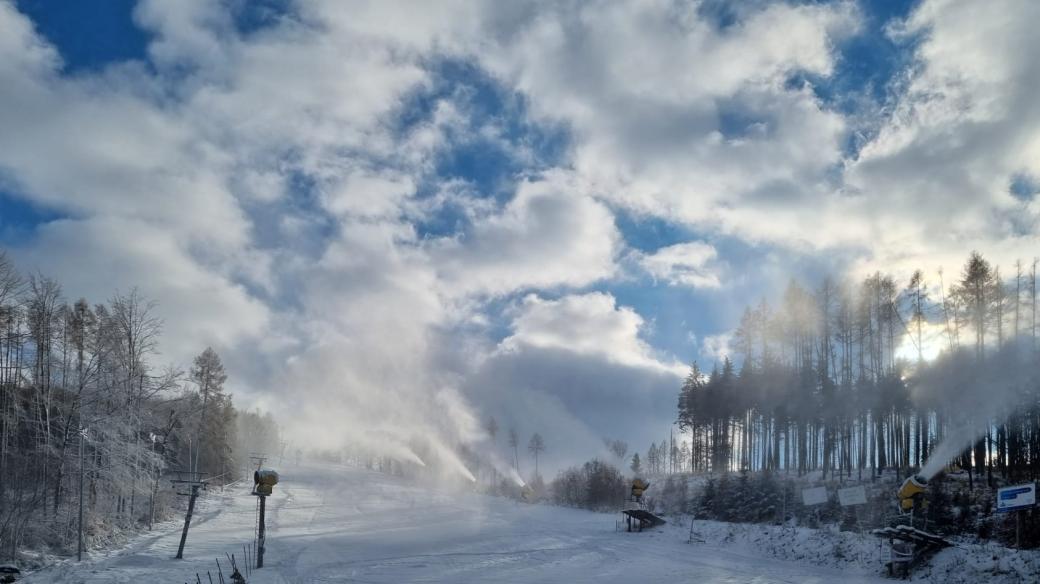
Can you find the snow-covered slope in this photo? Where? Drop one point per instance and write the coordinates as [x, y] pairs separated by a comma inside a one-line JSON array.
[[336, 524]]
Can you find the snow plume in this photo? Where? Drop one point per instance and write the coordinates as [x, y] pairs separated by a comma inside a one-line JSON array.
[[511, 473], [332, 401], [362, 368], [971, 395], [502, 467]]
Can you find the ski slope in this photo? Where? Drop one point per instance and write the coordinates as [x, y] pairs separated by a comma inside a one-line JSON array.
[[334, 524]]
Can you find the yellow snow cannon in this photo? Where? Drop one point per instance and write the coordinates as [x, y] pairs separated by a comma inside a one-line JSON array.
[[264, 481], [639, 486], [912, 487], [527, 493]]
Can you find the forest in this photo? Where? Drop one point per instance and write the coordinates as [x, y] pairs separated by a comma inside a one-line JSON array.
[[825, 381], [88, 412]]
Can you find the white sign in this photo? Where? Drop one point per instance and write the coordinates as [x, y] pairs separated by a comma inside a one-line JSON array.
[[814, 496], [852, 496], [1016, 497]]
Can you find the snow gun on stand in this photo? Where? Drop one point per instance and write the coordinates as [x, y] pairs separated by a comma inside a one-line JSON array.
[[264, 481], [636, 514], [908, 545], [527, 493], [639, 486]]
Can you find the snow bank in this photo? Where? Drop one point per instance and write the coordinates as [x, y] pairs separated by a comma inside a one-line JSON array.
[[966, 563]]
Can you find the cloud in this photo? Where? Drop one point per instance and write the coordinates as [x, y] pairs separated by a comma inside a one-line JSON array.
[[683, 264], [697, 135], [965, 124], [199, 306], [546, 236], [590, 324], [721, 137], [255, 187], [574, 400], [87, 146], [576, 370], [273, 188], [717, 347]]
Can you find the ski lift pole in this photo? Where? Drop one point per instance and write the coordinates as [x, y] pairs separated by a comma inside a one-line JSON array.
[[194, 482], [79, 543], [187, 520], [261, 534]]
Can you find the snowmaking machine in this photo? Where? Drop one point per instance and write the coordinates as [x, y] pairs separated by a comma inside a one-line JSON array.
[[639, 486], [637, 516], [908, 546], [912, 493]]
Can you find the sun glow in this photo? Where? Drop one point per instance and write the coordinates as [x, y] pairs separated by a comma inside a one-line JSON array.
[[933, 342]]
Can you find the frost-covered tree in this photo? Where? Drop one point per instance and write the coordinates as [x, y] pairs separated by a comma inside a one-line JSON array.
[[207, 372], [84, 379]]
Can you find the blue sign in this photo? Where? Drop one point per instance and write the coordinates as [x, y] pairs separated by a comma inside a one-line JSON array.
[[1016, 497]]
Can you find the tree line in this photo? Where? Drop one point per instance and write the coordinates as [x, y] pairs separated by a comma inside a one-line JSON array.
[[82, 393], [535, 446], [826, 382]]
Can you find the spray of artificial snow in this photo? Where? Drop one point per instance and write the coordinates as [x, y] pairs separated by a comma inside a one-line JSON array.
[[946, 451], [348, 404], [970, 395], [516, 478]]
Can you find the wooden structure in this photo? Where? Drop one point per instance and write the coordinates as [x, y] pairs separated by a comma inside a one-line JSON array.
[[637, 516], [908, 547], [640, 519]]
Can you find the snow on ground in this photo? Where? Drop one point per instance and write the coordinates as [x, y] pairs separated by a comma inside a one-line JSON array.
[[965, 563], [335, 524]]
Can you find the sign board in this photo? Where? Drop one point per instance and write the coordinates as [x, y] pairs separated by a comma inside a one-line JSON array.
[[1016, 497], [814, 496], [852, 496]]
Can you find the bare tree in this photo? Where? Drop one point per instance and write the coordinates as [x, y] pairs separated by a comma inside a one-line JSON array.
[[136, 331], [977, 294], [1032, 297], [491, 427], [536, 446], [618, 448], [514, 443], [1018, 296]]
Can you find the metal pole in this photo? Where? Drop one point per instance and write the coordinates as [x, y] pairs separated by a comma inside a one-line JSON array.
[[261, 534], [1018, 529], [79, 545], [187, 520]]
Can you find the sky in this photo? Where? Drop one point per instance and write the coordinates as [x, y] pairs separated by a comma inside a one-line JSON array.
[[395, 219]]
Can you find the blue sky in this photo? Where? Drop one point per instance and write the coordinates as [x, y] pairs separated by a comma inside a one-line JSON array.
[[289, 178]]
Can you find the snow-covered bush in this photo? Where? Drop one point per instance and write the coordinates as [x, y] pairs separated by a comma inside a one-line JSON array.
[[595, 485]]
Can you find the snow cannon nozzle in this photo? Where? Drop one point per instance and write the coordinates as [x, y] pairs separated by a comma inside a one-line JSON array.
[[264, 480], [912, 487]]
